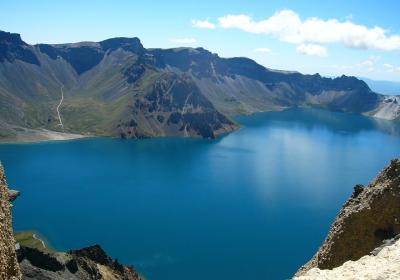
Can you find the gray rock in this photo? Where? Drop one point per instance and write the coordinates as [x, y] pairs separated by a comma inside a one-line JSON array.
[[88, 263], [13, 194]]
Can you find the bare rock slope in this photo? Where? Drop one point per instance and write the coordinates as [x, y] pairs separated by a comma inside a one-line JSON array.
[[384, 265], [370, 216], [87, 263]]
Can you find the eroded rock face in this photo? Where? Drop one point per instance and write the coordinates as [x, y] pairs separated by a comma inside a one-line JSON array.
[[117, 87], [87, 263], [370, 216], [9, 268], [174, 105]]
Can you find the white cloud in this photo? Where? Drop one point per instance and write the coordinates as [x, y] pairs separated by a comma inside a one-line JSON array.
[[203, 24], [263, 50], [312, 50], [184, 41], [369, 64], [374, 58], [391, 68], [289, 27], [342, 67]]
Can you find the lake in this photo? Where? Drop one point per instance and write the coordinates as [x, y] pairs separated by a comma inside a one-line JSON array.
[[254, 204]]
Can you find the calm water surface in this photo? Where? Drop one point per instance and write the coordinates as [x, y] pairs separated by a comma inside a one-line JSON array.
[[254, 204]]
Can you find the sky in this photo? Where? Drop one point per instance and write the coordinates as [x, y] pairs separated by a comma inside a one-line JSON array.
[[354, 37]]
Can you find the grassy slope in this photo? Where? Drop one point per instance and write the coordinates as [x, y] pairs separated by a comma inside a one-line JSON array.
[[27, 239]]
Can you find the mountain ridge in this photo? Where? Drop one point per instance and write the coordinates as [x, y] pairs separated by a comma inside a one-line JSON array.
[[117, 87]]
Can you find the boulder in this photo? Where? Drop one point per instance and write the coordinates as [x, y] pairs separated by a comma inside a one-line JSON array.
[[13, 194]]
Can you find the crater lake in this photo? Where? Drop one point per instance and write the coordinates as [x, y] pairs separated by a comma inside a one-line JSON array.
[[253, 204]]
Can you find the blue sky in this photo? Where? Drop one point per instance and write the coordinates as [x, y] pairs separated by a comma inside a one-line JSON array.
[[359, 38]]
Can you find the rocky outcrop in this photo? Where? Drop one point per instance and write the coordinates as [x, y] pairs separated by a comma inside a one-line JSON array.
[[370, 216], [384, 264], [389, 108], [9, 268], [87, 263], [13, 194]]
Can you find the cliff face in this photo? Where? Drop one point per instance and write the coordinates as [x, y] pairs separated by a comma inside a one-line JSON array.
[[117, 87], [9, 268], [370, 216]]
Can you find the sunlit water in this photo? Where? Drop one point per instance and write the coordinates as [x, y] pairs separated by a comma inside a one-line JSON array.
[[254, 204]]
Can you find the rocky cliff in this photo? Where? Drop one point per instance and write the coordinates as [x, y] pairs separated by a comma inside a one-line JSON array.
[[24, 262], [117, 87], [368, 218], [9, 268]]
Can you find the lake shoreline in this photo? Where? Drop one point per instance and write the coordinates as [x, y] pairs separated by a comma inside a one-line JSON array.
[[32, 136], [29, 136]]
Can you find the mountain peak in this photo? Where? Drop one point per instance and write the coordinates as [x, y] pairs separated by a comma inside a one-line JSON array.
[[12, 38], [129, 44], [12, 47], [83, 56]]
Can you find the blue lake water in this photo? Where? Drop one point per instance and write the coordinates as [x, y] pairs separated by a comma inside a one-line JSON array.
[[254, 204]]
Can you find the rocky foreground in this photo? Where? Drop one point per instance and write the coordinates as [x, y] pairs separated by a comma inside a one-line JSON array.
[[383, 265], [9, 268], [367, 220], [23, 262], [87, 263]]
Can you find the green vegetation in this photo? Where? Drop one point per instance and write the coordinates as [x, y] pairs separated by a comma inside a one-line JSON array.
[[118, 88], [32, 239]]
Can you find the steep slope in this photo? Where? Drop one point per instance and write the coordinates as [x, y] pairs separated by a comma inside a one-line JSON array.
[[106, 86], [117, 87], [368, 218], [9, 268], [240, 85], [130, 97]]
